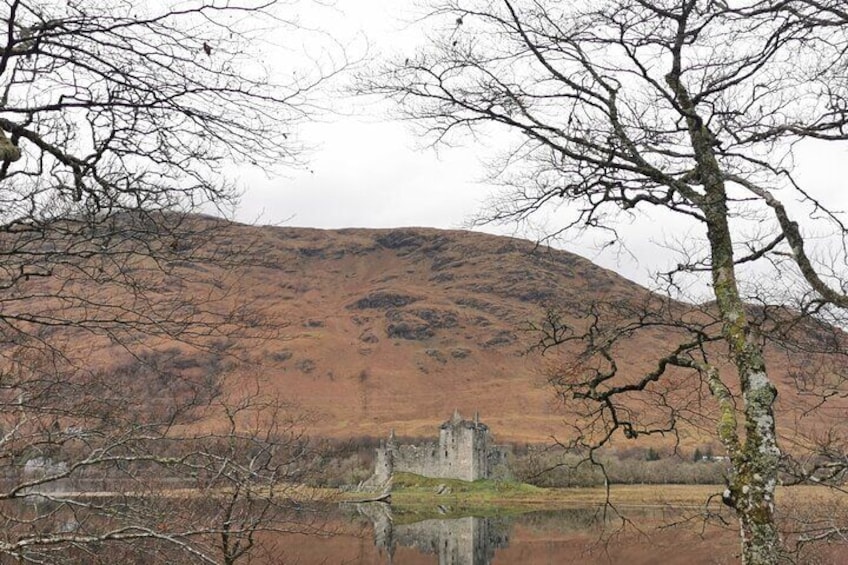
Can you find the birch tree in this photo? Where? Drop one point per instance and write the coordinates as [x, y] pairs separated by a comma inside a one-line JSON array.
[[119, 121], [620, 108]]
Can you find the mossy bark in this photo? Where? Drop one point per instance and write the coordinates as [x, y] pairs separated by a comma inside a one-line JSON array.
[[755, 459], [8, 151]]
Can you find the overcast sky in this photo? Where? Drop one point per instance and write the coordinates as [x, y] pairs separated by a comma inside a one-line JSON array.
[[367, 170]]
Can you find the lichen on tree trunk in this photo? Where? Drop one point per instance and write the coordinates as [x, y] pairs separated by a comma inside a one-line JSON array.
[[755, 459]]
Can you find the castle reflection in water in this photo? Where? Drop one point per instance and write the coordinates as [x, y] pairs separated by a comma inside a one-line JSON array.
[[461, 541]]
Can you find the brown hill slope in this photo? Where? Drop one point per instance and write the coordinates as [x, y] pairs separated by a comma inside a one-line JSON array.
[[396, 328]]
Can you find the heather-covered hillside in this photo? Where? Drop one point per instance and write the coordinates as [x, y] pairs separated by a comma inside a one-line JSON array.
[[369, 330]]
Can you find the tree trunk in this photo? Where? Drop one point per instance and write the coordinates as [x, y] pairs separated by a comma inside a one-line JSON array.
[[755, 461]]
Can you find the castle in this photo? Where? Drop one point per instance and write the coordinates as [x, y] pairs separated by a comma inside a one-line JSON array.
[[464, 451]]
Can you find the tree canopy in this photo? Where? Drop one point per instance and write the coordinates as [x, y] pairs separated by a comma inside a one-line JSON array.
[[618, 108]]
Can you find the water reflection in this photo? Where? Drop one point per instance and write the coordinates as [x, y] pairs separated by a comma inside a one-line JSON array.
[[459, 541], [585, 535]]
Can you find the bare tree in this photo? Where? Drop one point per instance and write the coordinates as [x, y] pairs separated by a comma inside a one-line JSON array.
[[152, 465], [118, 121], [620, 108], [255, 468], [152, 459]]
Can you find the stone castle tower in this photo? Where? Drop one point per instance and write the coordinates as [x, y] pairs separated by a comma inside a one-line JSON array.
[[464, 449]]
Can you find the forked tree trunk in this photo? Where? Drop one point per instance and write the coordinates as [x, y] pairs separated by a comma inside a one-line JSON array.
[[755, 459]]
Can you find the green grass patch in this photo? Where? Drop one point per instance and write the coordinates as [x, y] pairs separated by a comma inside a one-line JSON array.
[[416, 498]]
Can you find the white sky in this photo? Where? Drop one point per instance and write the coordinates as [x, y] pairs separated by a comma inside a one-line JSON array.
[[365, 170], [369, 171]]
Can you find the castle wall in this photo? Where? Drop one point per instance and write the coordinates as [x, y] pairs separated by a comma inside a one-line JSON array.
[[497, 461], [383, 468], [424, 460]]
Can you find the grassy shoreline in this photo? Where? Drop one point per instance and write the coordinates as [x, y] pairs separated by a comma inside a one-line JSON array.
[[414, 494]]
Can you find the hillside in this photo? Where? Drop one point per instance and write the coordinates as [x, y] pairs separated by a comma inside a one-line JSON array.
[[382, 329], [396, 328]]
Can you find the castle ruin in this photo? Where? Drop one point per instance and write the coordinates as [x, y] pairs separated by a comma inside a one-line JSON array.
[[465, 451]]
